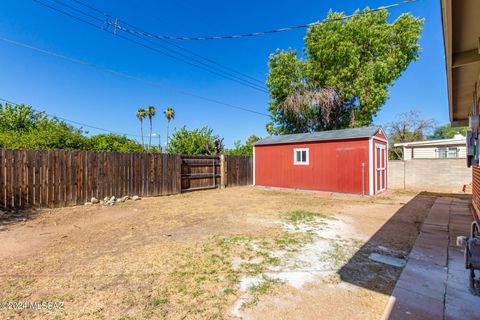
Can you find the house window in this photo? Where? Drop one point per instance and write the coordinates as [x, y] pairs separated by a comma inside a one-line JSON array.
[[300, 156], [451, 152]]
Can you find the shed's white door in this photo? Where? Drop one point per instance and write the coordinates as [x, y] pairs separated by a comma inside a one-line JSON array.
[[380, 167]]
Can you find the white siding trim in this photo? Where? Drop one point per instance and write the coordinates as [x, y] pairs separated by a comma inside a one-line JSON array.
[[380, 146], [254, 165], [379, 139], [295, 162], [370, 166], [382, 131], [386, 166]]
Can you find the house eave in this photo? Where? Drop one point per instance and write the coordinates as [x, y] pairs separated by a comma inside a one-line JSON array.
[[461, 32]]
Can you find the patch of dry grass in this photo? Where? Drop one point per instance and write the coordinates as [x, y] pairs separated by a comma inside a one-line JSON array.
[[177, 257]]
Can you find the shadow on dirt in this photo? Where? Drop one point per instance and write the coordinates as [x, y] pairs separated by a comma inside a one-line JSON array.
[[395, 238], [10, 218]]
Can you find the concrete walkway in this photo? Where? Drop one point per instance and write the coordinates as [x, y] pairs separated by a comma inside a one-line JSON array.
[[434, 283]]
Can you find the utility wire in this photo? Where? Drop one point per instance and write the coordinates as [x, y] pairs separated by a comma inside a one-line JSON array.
[[260, 33], [72, 121], [198, 55], [118, 27], [139, 30], [115, 32], [128, 76]]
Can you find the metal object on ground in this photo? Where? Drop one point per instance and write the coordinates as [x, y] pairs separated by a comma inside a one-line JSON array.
[[472, 255]]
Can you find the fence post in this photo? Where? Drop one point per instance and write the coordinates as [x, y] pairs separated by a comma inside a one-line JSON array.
[[178, 169], [222, 171]]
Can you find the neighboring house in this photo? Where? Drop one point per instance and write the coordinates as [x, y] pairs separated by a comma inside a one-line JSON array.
[[346, 161], [435, 149]]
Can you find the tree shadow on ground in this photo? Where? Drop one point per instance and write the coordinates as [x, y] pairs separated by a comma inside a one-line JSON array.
[[395, 238], [10, 218]]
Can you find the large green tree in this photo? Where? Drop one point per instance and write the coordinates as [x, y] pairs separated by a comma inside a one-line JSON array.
[[22, 127], [199, 141], [344, 76]]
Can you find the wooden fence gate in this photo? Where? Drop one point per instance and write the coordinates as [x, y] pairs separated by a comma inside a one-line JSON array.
[[200, 172]]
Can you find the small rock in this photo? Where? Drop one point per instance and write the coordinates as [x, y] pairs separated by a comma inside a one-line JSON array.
[[135, 198], [112, 199], [94, 200], [88, 203], [106, 199]]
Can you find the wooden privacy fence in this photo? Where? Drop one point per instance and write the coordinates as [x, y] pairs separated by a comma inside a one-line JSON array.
[[239, 170], [58, 178]]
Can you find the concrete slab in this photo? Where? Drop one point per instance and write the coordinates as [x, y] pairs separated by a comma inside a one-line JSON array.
[[426, 265], [439, 239], [411, 305], [433, 290], [429, 282], [435, 228], [461, 292], [434, 282], [430, 254], [461, 306]]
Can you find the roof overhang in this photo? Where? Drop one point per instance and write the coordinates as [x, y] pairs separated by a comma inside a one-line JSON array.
[[461, 32]]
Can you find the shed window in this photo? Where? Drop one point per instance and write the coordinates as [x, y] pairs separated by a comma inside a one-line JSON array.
[[301, 156], [451, 152]]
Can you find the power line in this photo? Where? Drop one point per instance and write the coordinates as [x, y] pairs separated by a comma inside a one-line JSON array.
[[138, 34], [200, 56], [260, 33], [128, 76], [117, 28], [170, 43], [198, 64], [74, 122]]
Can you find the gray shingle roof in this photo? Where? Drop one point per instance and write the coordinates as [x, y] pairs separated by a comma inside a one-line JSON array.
[[365, 132]]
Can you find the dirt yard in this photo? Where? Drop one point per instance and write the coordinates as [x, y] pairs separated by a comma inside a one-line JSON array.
[[235, 253]]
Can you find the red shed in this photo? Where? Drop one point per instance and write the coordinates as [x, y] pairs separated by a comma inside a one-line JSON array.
[[346, 161]]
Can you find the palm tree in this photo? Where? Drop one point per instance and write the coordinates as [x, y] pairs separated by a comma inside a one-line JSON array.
[[169, 114], [150, 113], [141, 114]]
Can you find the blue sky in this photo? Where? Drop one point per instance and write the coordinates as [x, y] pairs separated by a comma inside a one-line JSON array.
[[101, 99]]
